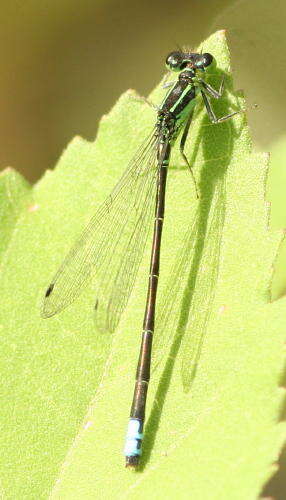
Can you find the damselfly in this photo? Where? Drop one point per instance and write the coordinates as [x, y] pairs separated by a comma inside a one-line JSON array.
[[111, 246]]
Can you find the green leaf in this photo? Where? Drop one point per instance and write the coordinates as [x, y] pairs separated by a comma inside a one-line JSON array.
[[215, 435], [49, 369], [276, 195]]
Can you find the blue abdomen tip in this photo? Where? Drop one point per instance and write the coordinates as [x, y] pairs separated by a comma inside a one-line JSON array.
[[133, 439]]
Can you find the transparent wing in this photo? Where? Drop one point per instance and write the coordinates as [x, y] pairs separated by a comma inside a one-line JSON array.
[[168, 324], [100, 249], [114, 287], [192, 285], [205, 286]]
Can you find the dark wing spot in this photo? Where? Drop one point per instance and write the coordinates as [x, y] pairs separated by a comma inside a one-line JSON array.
[[49, 290], [96, 305]]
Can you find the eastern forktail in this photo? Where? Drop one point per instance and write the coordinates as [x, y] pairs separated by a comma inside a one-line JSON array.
[[112, 244]]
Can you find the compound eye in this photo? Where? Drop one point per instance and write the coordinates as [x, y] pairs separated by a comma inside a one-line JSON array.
[[174, 61], [207, 59]]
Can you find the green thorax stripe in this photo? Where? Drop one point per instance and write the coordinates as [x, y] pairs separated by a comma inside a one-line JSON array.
[[181, 97]]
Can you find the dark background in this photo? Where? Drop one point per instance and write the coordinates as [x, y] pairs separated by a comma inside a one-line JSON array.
[[65, 63]]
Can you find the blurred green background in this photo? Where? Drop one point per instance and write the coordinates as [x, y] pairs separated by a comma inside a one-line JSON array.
[[65, 63]]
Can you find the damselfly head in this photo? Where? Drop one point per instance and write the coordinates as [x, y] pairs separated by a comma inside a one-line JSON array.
[[177, 61]]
